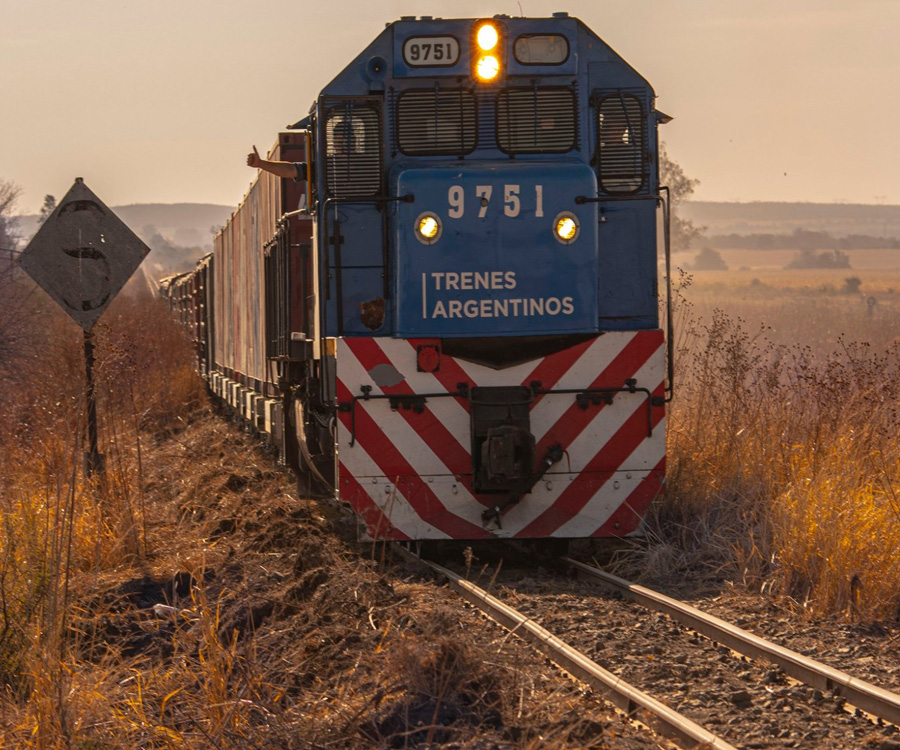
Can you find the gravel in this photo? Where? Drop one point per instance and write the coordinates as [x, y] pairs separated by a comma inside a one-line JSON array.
[[750, 704]]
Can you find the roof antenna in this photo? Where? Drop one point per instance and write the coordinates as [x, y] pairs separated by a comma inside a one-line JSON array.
[[521, 12]]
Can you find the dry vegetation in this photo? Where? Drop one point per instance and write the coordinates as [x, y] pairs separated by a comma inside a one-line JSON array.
[[192, 600], [784, 462], [54, 527]]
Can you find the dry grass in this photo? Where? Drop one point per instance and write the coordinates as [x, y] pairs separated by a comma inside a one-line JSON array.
[[56, 527], [784, 465], [191, 600]]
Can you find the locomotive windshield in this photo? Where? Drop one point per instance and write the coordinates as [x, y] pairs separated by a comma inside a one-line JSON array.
[[536, 120], [620, 130], [436, 121]]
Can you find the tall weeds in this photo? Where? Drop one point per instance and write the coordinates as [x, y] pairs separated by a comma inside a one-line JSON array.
[[784, 465], [53, 522]]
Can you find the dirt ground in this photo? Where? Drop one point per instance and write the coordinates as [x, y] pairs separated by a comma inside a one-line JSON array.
[[256, 620]]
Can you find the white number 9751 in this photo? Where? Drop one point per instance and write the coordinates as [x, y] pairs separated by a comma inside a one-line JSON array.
[[419, 51], [512, 202]]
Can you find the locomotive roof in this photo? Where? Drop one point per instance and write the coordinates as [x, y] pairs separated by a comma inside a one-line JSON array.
[[589, 55]]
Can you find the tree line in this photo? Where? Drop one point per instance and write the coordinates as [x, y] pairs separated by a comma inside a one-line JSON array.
[[800, 239]]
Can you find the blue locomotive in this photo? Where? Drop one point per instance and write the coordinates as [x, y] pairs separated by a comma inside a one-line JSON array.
[[453, 324]]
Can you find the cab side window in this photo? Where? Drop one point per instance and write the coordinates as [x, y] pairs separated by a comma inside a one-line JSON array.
[[353, 162], [621, 144]]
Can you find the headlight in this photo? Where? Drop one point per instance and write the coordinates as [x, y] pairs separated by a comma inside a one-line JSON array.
[[487, 37], [566, 228], [487, 60], [428, 228], [487, 68]]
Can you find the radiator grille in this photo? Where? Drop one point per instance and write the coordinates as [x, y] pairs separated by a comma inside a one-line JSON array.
[[432, 122], [536, 120], [622, 147], [353, 162]]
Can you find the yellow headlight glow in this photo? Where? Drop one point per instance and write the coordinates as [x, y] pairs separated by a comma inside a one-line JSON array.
[[487, 67], [428, 228], [566, 227], [487, 37], [487, 50]]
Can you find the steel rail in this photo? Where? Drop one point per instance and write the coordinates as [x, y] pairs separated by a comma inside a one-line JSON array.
[[634, 702], [861, 694]]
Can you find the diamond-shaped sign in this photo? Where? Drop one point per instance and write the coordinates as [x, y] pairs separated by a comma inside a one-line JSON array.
[[82, 255]]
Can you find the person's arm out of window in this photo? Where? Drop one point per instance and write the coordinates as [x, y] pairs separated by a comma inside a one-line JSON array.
[[287, 169]]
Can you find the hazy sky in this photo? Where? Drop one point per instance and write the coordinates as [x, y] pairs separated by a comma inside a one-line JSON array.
[[160, 101]]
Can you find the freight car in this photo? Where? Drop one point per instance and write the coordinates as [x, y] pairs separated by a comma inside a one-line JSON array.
[[453, 324]]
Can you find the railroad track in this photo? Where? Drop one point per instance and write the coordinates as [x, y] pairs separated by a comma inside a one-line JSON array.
[[736, 681], [877, 701]]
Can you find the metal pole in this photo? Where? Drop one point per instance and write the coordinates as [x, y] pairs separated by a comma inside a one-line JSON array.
[[93, 461]]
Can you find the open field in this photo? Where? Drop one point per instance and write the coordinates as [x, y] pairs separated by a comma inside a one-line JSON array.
[[810, 306], [764, 261], [838, 219]]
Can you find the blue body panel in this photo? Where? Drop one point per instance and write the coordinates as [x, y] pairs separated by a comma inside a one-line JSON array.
[[627, 266], [475, 280], [497, 268], [361, 269]]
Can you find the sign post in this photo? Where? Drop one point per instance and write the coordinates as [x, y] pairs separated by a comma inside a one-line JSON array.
[[93, 459], [82, 256]]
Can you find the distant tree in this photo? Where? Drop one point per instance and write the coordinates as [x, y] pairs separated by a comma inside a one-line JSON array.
[[9, 194], [826, 259], [48, 208], [681, 188], [709, 260], [167, 256], [852, 285], [9, 238], [804, 239]]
